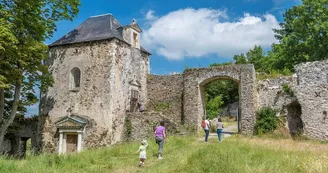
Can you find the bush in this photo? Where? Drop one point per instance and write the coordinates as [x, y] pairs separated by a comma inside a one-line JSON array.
[[266, 120], [287, 90]]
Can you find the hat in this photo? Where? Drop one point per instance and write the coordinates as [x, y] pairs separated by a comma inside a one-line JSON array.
[[144, 142]]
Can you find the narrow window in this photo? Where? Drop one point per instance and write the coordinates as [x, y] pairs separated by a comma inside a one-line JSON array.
[[135, 39], [75, 78], [134, 100]]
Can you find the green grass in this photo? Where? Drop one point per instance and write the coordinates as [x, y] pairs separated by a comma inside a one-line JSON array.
[[186, 154]]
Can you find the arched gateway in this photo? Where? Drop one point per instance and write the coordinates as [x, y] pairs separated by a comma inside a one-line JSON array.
[[193, 99]]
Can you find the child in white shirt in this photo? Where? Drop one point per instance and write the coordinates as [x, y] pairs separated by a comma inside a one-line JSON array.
[[142, 150]]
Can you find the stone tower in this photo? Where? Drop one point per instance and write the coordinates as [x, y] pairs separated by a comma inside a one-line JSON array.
[[100, 72]]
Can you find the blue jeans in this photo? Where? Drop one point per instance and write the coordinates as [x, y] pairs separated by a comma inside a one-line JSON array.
[[206, 134], [219, 131], [160, 142]]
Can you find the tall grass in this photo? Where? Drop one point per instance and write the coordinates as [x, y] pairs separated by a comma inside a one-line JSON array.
[[186, 154]]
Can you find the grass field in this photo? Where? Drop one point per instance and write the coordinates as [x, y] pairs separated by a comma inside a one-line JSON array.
[[187, 154]]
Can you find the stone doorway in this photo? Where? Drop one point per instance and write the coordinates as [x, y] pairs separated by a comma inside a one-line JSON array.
[[220, 98], [193, 104], [295, 123], [71, 130]]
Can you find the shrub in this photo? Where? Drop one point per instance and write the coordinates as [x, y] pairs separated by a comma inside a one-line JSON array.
[[162, 106], [287, 90], [266, 120]]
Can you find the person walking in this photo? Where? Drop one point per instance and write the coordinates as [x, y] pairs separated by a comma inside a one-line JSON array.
[[219, 128], [160, 136], [206, 125], [142, 150]]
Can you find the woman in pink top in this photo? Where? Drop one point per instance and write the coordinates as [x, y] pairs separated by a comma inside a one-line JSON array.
[[160, 136]]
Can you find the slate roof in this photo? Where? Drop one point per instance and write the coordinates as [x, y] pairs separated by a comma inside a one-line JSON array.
[[95, 28]]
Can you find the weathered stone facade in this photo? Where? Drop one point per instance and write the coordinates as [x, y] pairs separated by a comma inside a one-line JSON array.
[[165, 95], [17, 135], [194, 100], [108, 71], [184, 94], [306, 109]]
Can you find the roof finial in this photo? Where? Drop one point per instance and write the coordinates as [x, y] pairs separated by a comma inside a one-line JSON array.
[[134, 21]]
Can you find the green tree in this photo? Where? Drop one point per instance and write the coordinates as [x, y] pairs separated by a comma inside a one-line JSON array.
[[213, 107], [255, 56], [303, 34], [227, 89], [24, 26]]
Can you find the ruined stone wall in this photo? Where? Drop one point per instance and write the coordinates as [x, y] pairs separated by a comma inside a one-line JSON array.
[[18, 133], [306, 108], [139, 126], [312, 73], [165, 95], [194, 99], [311, 92], [131, 70], [107, 69], [270, 92]]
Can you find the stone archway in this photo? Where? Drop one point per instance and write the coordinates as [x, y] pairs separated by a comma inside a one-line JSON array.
[[194, 81]]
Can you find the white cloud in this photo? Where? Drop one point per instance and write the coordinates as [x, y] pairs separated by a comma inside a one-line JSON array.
[[196, 33], [150, 15]]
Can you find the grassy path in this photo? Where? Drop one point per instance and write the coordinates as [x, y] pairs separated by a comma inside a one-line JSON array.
[[187, 154]]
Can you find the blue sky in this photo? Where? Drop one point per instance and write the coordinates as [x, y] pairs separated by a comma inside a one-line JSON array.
[[189, 33]]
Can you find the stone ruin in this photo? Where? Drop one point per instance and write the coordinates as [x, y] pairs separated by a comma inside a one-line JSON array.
[[101, 72]]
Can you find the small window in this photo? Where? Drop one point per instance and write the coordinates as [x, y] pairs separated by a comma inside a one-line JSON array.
[[75, 79]]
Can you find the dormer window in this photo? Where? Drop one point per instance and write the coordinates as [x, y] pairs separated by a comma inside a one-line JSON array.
[[75, 79]]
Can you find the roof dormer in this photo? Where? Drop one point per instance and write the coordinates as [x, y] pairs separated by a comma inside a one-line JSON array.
[[131, 34]]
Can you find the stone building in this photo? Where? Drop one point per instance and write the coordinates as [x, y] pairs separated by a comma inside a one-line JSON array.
[[100, 73]]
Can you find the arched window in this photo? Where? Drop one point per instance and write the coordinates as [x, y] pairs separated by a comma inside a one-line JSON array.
[[75, 78]]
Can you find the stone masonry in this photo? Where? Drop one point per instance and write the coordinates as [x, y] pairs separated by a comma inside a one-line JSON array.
[[95, 77], [306, 109], [184, 94]]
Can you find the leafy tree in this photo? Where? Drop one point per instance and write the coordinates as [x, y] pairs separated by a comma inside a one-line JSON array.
[[254, 56], [227, 89], [240, 59], [24, 26], [303, 35], [213, 107]]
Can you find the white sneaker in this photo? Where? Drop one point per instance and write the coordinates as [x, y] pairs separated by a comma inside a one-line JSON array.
[[160, 158]]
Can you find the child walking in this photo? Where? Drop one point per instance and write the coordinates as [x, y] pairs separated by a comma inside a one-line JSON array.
[[142, 150]]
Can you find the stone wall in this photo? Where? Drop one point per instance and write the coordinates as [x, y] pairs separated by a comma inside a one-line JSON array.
[[311, 92], [165, 95], [194, 99], [270, 93], [17, 135], [110, 69], [306, 109], [139, 126]]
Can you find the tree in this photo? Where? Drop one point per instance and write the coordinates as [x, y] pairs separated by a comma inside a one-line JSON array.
[[24, 26], [213, 107], [254, 56], [227, 89], [303, 34]]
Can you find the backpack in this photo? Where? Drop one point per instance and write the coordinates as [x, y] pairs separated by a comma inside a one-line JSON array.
[[204, 124]]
